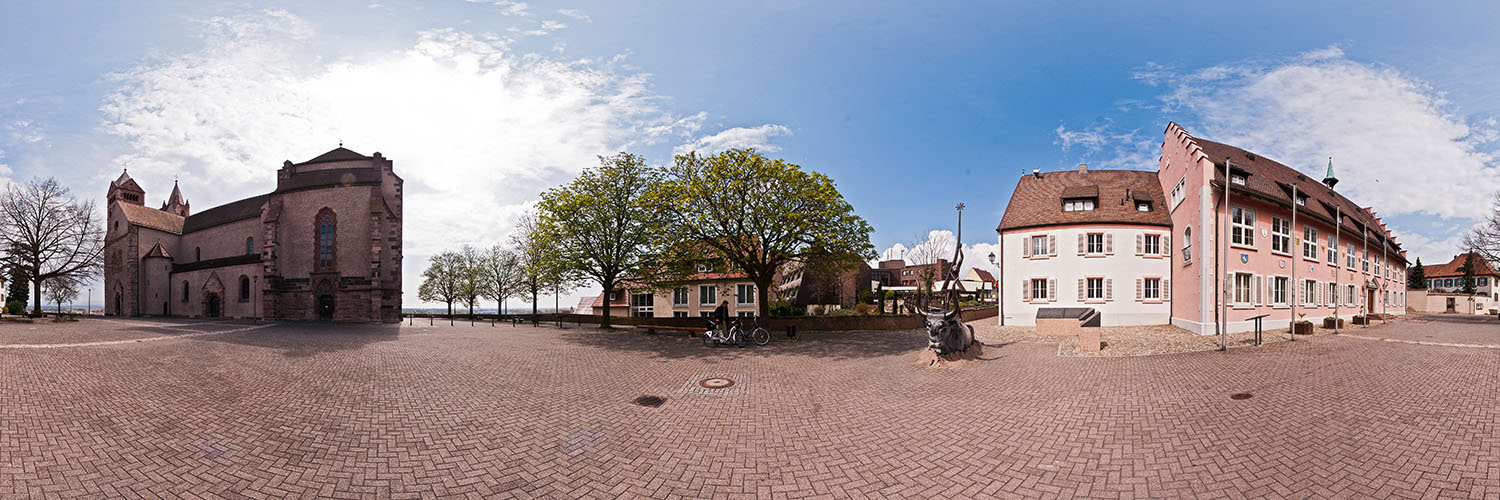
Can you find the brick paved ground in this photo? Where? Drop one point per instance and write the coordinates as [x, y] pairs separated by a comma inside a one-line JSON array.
[[408, 412]]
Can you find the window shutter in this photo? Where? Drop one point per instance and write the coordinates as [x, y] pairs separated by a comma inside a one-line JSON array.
[[1082, 292], [1109, 243], [1166, 289], [1025, 290], [1081, 244], [1051, 245], [1259, 285], [1138, 244], [1052, 289], [1109, 289], [1138, 289], [1166, 245], [1026, 247]]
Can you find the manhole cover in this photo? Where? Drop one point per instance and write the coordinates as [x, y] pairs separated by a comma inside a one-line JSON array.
[[1239, 396], [651, 401], [716, 383]]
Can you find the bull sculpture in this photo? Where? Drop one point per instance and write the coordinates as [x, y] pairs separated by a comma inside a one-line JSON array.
[[946, 332]]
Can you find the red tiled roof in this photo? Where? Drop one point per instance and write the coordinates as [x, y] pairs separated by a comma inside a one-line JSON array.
[[152, 218], [1453, 269], [1270, 179], [1038, 199], [984, 275]]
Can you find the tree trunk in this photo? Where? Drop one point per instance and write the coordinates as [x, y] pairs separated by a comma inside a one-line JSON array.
[[533, 302], [36, 305], [471, 310], [450, 308], [604, 321], [763, 294]]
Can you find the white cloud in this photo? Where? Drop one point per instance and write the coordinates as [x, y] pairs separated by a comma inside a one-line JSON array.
[[1394, 139], [4, 170], [575, 14], [1431, 250], [941, 242], [27, 131], [1102, 146], [738, 137], [507, 7], [476, 129]]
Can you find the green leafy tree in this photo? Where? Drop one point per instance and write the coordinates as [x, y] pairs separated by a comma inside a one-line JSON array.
[[538, 270], [755, 213], [500, 271], [1468, 269], [1416, 277], [441, 280], [470, 276], [598, 226]]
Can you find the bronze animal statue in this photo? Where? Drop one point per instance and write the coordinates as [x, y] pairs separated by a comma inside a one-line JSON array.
[[946, 332]]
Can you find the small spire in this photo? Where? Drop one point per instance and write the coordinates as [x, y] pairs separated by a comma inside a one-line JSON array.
[[341, 143], [1329, 179]]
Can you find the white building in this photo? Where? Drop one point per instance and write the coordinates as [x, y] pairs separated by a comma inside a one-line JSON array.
[[1098, 239]]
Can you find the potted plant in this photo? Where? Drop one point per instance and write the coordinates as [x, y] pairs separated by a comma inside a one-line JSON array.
[[1332, 322], [1359, 319]]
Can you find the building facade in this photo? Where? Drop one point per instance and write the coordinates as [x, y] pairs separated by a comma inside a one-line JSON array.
[[1098, 239], [1449, 278], [324, 245], [1336, 259], [1198, 263]]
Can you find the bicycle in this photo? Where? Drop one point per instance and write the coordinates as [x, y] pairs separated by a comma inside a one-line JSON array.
[[758, 335], [714, 337]]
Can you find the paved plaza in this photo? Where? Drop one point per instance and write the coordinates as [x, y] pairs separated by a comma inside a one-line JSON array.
[[166, 409]]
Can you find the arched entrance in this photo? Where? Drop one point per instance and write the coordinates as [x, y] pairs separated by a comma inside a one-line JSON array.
[[212, 308], [323, 298], [119, 304], [213, 297]]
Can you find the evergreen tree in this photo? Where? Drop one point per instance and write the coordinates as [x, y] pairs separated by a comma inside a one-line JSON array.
[[1468, 280], [20, 288], [1416, 277]]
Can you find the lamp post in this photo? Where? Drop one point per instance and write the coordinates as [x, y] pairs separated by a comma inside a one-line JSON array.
[[997, 283]]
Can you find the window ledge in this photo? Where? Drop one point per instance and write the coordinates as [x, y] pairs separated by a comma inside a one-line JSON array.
[[1281, 306], [1243, 247], [1153, 301], [1283, 254], [1095, 301], [1241, 307]]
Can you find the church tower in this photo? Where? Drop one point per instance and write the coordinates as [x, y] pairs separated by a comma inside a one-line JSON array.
[[176, 204], [125, 190]]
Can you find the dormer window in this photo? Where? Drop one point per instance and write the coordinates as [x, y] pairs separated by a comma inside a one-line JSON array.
[[1142, 206], [1078, 204], [1237, 179], [703, 268], [1302, 201]]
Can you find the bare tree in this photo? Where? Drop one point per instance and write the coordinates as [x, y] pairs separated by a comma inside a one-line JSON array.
[[500, 271], [61, 289], [1485, 237], [927, 258], [49, 234]]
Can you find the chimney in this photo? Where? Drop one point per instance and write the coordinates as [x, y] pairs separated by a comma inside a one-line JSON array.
[[1036, 172], [1083, 167]]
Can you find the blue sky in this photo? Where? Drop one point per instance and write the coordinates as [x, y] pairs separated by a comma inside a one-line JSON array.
[[910, 109]]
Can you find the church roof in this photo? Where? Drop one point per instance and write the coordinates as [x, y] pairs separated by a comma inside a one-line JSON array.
[[149, 217], [158, 251], [176, 197], [248, 208], [125, 182], [338, 154]]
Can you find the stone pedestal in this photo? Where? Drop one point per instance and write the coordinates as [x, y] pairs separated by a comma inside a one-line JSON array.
[[1088, 340]]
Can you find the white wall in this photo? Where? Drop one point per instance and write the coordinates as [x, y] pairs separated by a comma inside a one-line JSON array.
[[1123, 267]]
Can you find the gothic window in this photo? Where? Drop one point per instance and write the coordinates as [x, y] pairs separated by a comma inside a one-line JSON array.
[[197, 254], [326, 230], [244, 288], [184, 291], [250, 246]]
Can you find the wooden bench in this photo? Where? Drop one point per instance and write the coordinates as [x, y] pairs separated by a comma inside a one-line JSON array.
[[651, 329]]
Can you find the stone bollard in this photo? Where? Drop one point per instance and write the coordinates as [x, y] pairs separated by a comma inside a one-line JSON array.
[[1088, 339]]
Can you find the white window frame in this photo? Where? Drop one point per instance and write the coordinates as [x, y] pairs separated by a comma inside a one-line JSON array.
[[1038, 250], [1078, 205], [1150, 285], [1247, 288], [1088, 244], [1090, 292], [1280, 287], [1310, 243], [1187, 245], [1281, 232], [681, 296], [1309, 293], [708, 295], [744, 299], [1151, 248], [1039, 293], [1242, 228], [1179, 192]]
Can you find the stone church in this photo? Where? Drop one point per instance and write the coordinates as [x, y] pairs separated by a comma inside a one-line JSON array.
[[324, 245]]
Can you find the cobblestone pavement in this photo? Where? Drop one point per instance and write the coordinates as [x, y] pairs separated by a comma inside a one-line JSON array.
[[504, 412]]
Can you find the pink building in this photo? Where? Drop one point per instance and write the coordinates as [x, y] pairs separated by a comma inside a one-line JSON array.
[[1269, 263], [1163, 247]]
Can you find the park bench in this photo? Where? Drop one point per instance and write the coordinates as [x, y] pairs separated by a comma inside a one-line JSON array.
[[651, 329]]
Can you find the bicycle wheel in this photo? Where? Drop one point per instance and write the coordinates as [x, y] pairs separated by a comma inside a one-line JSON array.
[[760, 336], [739, 337], [708, 339]]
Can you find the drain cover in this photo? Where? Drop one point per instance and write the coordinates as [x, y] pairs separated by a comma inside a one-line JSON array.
[[651, 401], [716, 383], [1239, 396]]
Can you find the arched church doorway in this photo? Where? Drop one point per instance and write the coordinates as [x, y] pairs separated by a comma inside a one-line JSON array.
[[119, 304], [325, 301], [212, 306]]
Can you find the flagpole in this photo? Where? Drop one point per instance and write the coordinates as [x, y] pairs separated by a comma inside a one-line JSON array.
[[1338, 247], [1224, 259], [1296, 287]]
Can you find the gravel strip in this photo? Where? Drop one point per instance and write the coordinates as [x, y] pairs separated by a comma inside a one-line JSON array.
[[1127, 341]]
